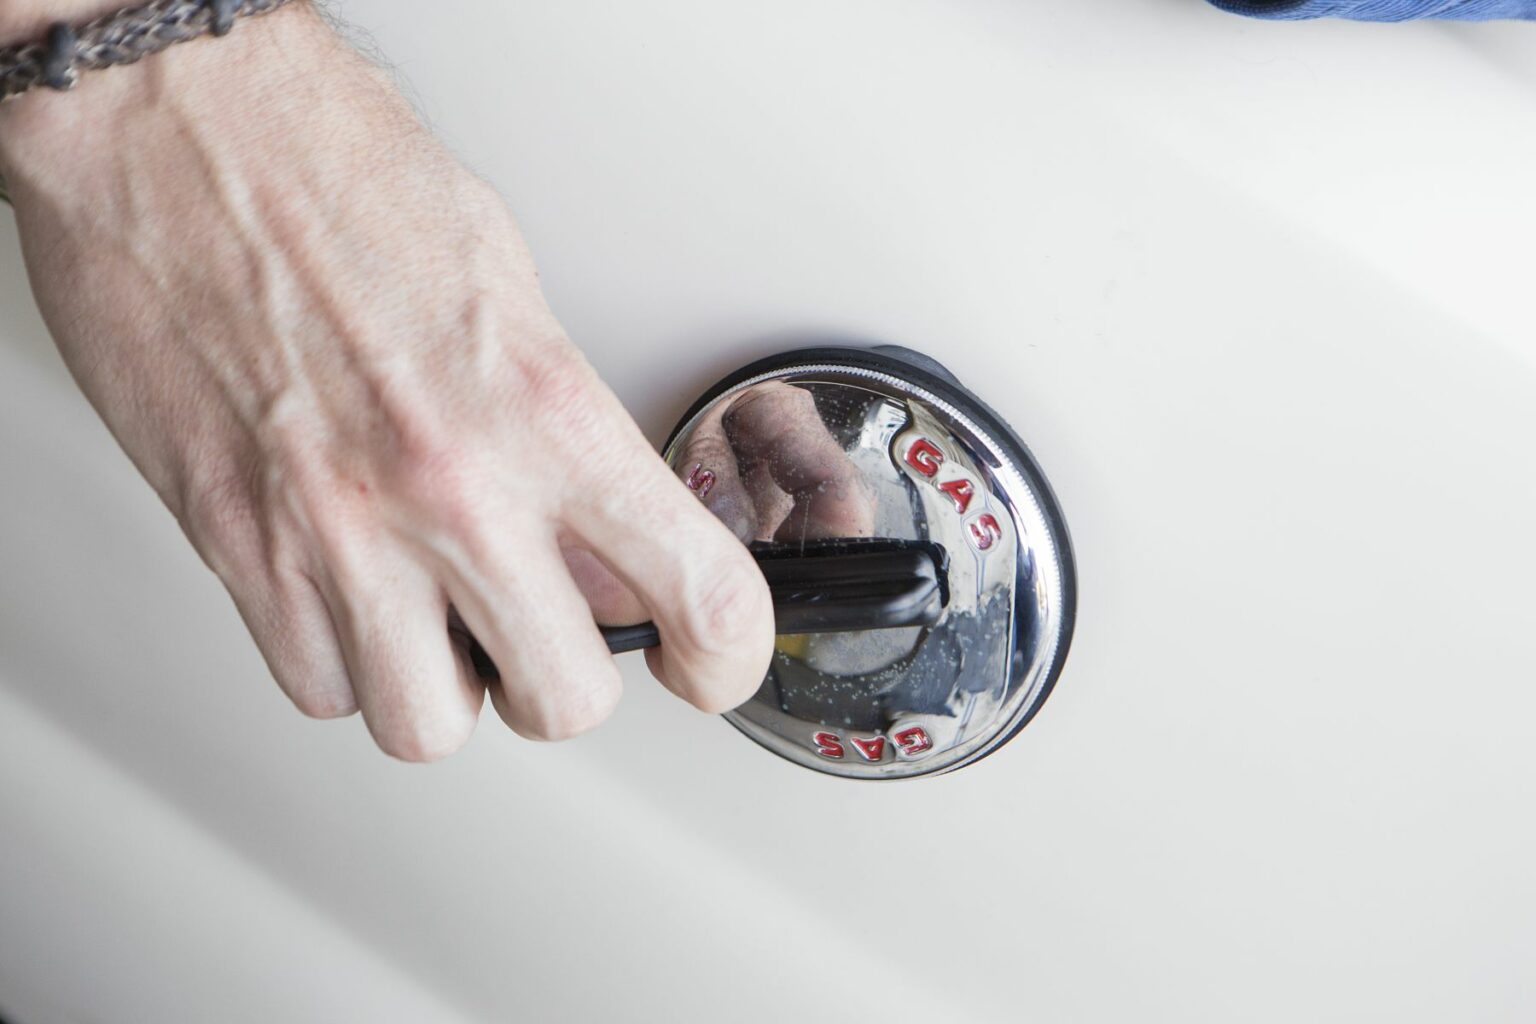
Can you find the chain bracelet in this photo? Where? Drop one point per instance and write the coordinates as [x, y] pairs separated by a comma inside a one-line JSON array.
[[120, 38]]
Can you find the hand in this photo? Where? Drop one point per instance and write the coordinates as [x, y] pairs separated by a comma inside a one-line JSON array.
[[323, 343]]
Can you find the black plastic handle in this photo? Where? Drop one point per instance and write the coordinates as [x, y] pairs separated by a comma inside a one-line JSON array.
[[825, 586], [836, 586]]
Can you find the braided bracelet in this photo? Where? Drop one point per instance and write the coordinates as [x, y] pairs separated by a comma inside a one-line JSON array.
[[120, 38]]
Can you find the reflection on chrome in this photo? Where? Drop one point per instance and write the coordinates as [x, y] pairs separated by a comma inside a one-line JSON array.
[[807, 451]]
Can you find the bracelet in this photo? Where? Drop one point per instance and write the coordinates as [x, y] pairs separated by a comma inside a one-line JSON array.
[[120, 38]]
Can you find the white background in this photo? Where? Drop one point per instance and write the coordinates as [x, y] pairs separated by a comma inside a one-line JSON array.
[[1259, 296]]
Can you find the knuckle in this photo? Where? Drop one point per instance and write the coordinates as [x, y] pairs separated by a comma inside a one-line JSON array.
[[422, 740], [444, 491], [559, 390], [731, 609], [429, 461], [446, 488], [434, 470], [570, 715], [554, 378], [324, 704]]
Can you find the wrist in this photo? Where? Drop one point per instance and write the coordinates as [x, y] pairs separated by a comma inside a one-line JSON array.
[[231, 84], [92, 41]]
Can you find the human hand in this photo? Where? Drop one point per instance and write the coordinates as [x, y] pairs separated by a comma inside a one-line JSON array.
[[323, 343]]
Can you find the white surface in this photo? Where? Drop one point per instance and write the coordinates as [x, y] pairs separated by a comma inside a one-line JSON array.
[[1257, 295]]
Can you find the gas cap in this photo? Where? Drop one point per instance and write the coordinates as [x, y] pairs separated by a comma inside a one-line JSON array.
[[921, 571]]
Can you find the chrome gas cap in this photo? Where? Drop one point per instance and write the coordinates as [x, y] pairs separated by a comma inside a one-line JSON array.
[[922, 574]]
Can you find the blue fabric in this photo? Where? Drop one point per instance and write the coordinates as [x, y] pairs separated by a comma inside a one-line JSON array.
[[1382, 10]]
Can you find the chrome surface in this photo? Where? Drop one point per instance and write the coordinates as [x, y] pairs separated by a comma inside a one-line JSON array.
[[811, 450]]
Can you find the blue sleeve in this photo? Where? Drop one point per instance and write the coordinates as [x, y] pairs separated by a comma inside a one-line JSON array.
[[1382, 10]]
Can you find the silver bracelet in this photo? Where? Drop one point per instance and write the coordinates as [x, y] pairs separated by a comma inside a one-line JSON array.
[[121, 38]]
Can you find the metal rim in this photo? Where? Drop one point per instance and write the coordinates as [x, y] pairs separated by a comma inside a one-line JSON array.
[[894, 369]]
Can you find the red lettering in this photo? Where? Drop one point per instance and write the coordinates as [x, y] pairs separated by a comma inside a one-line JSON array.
[[960, 491], [913, 740], [700, 480], [910, 742], [829, 745], [984, 531], [924, 456], [869, 748]]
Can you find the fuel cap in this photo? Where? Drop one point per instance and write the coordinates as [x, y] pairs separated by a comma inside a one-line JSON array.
[[921, 571]]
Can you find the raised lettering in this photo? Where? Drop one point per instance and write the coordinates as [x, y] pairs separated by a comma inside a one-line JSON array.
[[829, 745], [924, 456], [960, 492]]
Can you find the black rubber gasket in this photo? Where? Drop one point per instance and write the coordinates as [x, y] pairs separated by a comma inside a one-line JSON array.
[[933, 377]]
